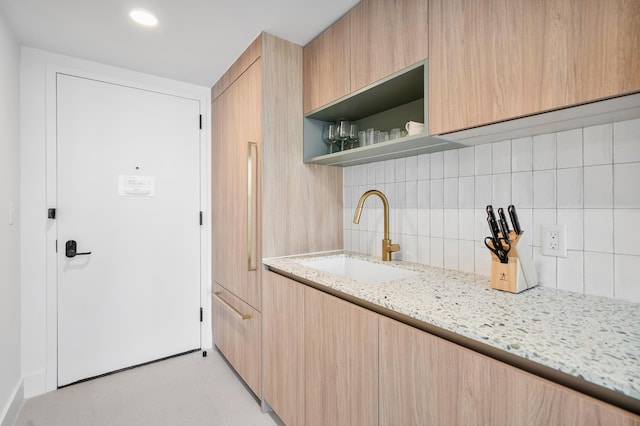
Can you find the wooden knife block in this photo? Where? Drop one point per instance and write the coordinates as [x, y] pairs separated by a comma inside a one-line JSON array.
[[518, 274]]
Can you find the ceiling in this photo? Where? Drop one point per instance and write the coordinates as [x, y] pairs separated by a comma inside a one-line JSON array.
[[195, 42]]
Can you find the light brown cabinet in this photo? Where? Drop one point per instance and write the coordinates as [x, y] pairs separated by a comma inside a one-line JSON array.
[[493, 60], [372, 41], [237, 137], [326, 65], [427, 380], [320, 356], [283, 347], [265, 201], [387, 36], [236, 331], [341, 361]]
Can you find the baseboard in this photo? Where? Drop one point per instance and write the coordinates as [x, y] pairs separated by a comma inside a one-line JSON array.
[[35, 384], [10, 412]]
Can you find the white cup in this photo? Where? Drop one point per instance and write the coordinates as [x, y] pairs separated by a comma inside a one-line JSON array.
[[414, 127]]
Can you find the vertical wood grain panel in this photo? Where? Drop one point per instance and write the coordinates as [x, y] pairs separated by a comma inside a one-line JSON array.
[[326, 66], [248, 57], [236, 121], [302, 203], [238, 340], [492, 60], [427, 380], [283, 347], [386, 36], [341, 362]]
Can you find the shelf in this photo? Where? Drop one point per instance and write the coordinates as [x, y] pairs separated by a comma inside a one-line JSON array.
[[398, 89], [398, 148], [386, 104]]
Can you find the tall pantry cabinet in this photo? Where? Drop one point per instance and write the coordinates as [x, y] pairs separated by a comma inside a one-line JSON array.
[[265, 201]]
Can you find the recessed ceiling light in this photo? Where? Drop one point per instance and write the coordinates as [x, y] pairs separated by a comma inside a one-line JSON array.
[[143, 17]]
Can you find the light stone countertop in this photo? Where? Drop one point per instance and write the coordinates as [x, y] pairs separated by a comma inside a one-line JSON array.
[[592, 338]]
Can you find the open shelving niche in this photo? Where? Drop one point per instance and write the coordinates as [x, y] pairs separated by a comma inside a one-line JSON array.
[[386, 104]]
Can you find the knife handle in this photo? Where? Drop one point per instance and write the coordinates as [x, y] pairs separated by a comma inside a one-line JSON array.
[[514, 219], [505, 230], [502, 217], [493, 227]]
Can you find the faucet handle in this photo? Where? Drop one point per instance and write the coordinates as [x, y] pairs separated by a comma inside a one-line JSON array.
[[388, 248]]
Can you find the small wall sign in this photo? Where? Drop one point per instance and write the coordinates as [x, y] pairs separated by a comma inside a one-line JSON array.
[[136, 186]]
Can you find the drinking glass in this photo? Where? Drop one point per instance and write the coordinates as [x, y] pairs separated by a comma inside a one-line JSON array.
[[329, 133], [353, 135], [371, 136], [342, 133]]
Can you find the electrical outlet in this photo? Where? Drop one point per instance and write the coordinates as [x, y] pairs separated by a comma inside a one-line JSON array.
[[554, 240]]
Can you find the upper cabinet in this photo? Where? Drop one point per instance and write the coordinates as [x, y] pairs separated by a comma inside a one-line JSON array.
[[374, 40], [326, 65], [491, 60], [386, 36]]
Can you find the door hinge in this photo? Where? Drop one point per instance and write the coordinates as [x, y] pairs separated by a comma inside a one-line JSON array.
[[51, 214], [56, 246], [201, 219], [200, 314], [200, 121]]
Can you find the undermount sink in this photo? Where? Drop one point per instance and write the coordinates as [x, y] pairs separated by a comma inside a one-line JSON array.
[[357, 269]]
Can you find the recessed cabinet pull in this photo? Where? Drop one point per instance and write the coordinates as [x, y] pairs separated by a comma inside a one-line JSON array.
[[252, 175], [230, 307]]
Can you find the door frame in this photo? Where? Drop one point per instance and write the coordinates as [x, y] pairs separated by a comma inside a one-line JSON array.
[[51, 201]]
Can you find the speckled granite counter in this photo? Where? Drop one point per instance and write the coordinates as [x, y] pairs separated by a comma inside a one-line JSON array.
[[592, 338]]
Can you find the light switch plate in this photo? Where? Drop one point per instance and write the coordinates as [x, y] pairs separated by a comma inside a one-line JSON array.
[[554, 240]]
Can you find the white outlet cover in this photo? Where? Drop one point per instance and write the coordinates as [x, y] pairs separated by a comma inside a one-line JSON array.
[[549, 246]]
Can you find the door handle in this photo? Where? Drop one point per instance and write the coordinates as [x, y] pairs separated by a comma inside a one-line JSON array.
[[71, 249]]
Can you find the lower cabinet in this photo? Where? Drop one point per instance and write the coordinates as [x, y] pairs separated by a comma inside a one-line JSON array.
[[330, 362], [341, 362], [283, 346], [426, 380], [320, 356], [236, 333]]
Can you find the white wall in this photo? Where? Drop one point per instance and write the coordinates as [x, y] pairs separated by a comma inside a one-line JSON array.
[[10, 378], [586, 178], [37, 96]]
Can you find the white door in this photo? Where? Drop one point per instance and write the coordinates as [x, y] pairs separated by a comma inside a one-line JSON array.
[[128, 182]]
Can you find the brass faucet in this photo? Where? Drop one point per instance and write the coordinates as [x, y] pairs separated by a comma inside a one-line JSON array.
[[387, 247]]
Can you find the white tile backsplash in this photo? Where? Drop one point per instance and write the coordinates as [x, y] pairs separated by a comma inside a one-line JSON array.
[[466, 192], [466, 162], [522, 189], [626, 272], [544, 152], [438, 205], [437, 193], [521, 155], [437, 165], [482, 159], [598, 145], [501, 157], [569, 148], [626, 193], [626, 141], [598, 186], [569, 188], [598, 230], [451, 186], [598, 274], [626, 231], [544, 189], [451, 163]]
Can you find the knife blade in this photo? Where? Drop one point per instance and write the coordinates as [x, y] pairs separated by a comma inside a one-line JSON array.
[[503, 217], [514, 219]]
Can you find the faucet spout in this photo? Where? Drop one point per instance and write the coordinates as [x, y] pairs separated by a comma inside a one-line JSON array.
[[387, 246]]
